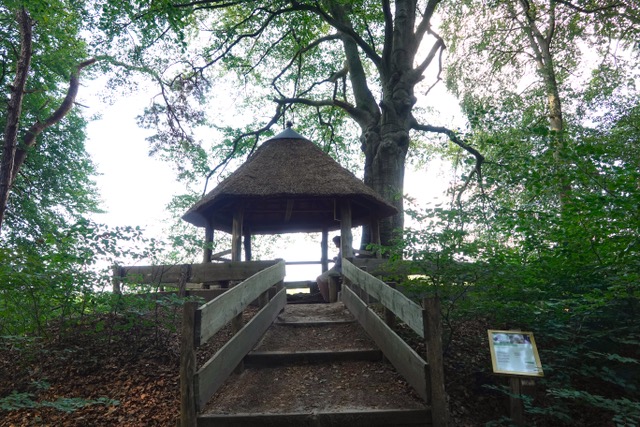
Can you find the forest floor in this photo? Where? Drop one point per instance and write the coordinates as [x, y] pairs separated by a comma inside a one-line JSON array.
[[123, 371]]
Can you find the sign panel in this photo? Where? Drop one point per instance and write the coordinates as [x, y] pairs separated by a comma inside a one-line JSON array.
[[514, 353]]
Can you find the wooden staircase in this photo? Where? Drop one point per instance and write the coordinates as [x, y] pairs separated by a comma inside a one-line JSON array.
[[312, 364], [315, 366]]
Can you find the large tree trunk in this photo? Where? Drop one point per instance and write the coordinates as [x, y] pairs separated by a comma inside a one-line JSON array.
[[385, 155], [8, 169], [385, 138]]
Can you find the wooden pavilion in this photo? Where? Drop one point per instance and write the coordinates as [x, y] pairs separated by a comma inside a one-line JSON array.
[[289, 185]]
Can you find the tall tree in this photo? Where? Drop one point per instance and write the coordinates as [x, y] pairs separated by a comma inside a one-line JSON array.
[[321, 60], [41, 49], [535, 50]]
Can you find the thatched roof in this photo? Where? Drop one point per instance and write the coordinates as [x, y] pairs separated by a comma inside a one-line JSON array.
[[288, 185]]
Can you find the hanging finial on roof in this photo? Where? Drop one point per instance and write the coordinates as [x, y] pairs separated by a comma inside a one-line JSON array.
[[289, 124]]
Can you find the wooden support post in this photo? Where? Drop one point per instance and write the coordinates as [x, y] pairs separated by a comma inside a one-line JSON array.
[[247, 246], [346, 238], [208, 242], [375, 236], [188, 398], [346, 283], [333, 289], [263, 299], [516, 408], [236, 255], [236, 234], [433, 341], [518, 389], [324, 246], [185, 274]]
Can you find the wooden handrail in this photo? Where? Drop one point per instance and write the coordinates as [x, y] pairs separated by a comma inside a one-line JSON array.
[[426, 377], [218, 312], [394, 300], [199, 324]]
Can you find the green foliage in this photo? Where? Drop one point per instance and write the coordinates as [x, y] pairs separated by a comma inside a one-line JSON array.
[[25, 400], [580, 304], [60, 275]]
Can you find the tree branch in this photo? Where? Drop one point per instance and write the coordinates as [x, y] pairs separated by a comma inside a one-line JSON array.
[[425, 24], [256, 134], [358, 115], [453, 137], [613, 5], [438, 76], [303, 50], [29, 139], [439, 44], [343, 28], [388, 36]]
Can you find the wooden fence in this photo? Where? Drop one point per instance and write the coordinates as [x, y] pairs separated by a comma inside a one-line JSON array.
[[199, 324], [426, 377], [178, 275]]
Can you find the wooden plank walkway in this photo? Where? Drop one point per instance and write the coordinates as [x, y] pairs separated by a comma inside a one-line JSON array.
[[315, 366]]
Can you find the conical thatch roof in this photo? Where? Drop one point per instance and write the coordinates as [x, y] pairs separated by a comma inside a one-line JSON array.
[[288, 185]]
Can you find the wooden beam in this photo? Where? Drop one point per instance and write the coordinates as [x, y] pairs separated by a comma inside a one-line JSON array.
[[213, 373], [406, 361], [218, 256], [408, 311]]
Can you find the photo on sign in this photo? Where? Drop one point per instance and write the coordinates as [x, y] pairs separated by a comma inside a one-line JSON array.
[[514, 353]]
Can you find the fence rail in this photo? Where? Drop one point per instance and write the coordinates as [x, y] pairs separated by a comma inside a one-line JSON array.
[[178, 274]]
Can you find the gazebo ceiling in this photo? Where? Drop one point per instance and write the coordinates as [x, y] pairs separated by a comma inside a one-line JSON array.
[[288, 185]]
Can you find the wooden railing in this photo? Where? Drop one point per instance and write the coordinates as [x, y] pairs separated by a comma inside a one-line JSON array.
[[199, 324], [178, 275], [426, 377]]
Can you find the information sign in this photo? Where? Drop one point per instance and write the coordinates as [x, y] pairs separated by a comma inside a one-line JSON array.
[[514, 353]]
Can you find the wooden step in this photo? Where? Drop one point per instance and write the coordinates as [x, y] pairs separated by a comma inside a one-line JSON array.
[[325, 371], [304, 323], [371, 418], [315, 388], [281, 358], [319, 337]]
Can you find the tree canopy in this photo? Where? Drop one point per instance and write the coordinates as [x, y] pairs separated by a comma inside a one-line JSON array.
[[42, 57], [318, 62]]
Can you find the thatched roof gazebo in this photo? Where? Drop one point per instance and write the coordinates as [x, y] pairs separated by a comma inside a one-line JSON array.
[[289, 185]]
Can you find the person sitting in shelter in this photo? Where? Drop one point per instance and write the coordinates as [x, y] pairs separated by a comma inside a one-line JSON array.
[[335, 271]]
